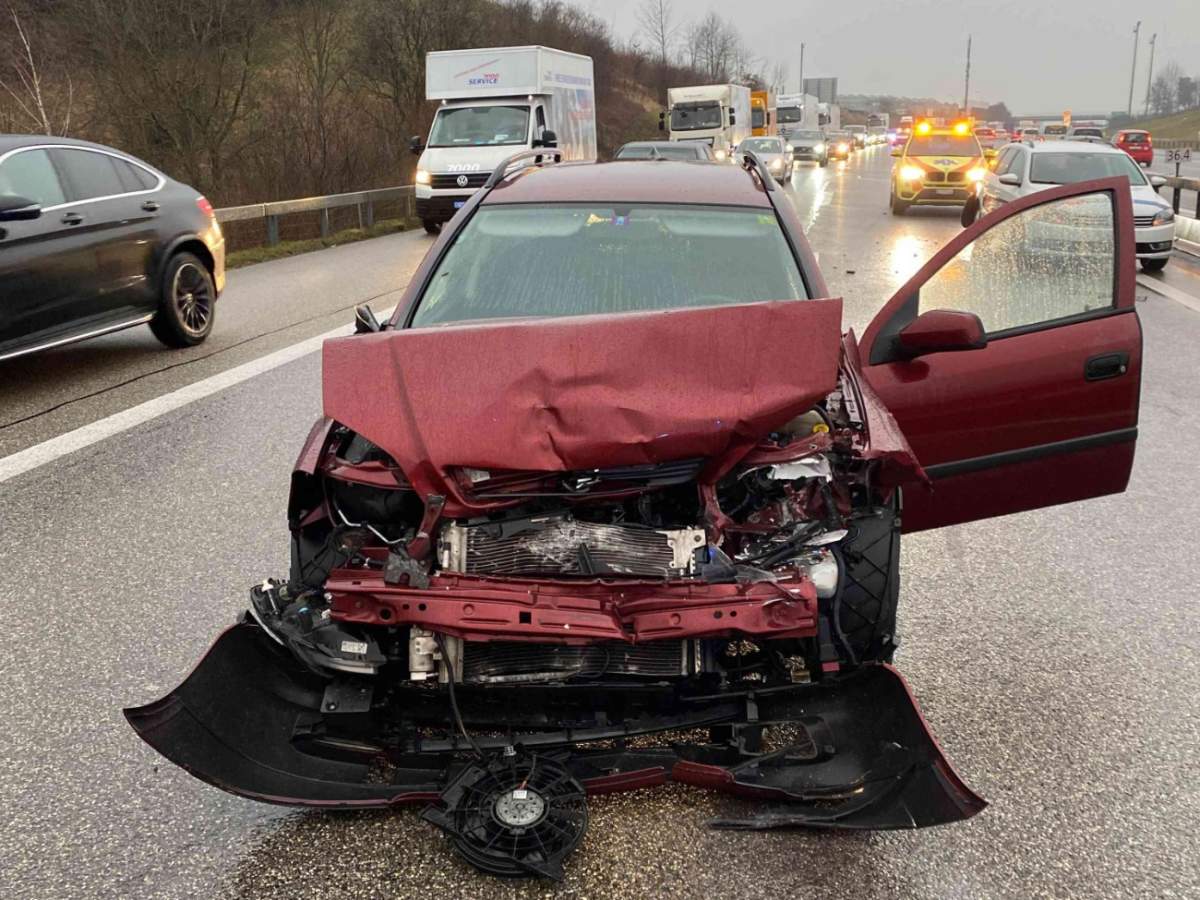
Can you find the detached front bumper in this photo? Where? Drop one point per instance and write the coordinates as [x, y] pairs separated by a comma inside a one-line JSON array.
[[849, 751]]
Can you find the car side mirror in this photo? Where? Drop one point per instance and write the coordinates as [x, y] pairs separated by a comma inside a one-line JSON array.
[[414, 144], [941, 331], [365, 321], [1010, 178], [897, 151], [1157, 181], [18, 209], [662, 121], [548, 139], [732, 118]]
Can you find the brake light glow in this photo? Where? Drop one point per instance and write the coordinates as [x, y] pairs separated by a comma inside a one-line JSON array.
[[205, 207]]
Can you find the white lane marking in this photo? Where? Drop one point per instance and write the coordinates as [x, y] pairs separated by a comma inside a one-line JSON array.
[[57, 447], [1159, 287]]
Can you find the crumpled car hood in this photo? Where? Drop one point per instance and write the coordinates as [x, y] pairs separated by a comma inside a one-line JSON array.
[[584, 392]]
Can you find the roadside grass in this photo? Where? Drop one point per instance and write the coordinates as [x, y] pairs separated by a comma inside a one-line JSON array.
[[251, 255], [1184, 126]]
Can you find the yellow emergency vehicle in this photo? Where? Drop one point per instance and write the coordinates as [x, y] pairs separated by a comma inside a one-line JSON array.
[[936, 166]]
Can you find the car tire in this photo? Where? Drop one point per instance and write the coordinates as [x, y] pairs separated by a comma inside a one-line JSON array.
[[1153, 265], [432, 227], [898, 207], [186, 302], [869, 560], [824, 162], [970, 213]]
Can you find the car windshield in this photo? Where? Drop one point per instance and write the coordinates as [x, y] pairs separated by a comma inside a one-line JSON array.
[[475, 126], [1089, 132], [536, 260], [790, 113], [690, 116], [658, 151], [762, 145], [1068, 168], [758, 117], [1056, 129], [944, 145], [808, 136]]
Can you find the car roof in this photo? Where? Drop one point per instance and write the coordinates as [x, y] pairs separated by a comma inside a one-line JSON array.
[[14, 141], [658, 144], [631, 181], [1073, 147], [1133, 131]]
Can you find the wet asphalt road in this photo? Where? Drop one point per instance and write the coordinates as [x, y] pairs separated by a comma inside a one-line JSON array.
[[1053, 652]]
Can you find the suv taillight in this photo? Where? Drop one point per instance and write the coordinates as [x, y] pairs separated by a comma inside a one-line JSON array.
[[205, 207]]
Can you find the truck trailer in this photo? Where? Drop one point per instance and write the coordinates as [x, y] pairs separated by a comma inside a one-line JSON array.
[[495, 102], [718, 114]]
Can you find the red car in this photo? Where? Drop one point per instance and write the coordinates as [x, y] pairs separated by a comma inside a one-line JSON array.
[[1136, 143], [596, 509]]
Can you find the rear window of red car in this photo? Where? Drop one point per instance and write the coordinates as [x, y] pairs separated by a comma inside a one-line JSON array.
[[1134, 137]]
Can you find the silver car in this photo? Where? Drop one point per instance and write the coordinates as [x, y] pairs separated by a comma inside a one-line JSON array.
[[775, 153]]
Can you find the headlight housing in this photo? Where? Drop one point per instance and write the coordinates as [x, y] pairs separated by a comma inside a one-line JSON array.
[[777, 164], [719, 154], [976, 174], [843, 147], [1163, 216], [818, 148], [423, 177], [911, 173]]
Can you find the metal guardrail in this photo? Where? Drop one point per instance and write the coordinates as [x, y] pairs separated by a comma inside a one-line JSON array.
[[364, 200], [1178, 186]]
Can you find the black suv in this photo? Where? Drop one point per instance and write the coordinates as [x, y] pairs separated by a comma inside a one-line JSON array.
[[93, 240]]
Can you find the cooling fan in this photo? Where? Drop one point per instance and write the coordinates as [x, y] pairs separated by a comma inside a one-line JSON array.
[[514, 815]]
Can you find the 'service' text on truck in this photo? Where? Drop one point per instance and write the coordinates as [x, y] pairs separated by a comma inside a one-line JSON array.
[[496, 102], [718, 114]]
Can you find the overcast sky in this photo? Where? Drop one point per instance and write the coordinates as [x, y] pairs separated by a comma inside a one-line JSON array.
[[1039, 56]]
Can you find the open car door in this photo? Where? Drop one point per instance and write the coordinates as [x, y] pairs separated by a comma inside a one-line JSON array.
[[1012, 360]]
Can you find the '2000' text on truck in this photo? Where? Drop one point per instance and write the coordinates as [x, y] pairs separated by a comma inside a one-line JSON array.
[[718, 114], [496, 102]]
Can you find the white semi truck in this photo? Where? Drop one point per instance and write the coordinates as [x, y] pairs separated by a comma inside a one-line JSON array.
[[797, 112], [717, 114], [496, 102]]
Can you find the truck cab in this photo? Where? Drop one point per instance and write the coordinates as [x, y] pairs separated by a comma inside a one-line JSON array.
[[718, 114], [763, 115]]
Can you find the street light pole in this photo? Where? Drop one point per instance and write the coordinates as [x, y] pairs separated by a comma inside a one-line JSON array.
[[967, 86], [1137, 30], [1150, 74], [802, 72]]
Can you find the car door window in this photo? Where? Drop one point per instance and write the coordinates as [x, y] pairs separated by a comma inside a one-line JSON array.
[[30, 174], [89, 174], [1051, 262], [134, 178], [1003, 160], [1016, 164]]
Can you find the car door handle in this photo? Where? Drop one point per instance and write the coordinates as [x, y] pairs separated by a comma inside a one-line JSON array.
[[1106, 365], [150, 206], [71, 218]]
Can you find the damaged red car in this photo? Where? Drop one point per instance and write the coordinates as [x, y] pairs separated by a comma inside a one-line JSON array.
[[610, 500]]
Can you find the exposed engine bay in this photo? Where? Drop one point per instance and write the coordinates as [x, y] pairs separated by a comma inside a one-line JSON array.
[[537, 636]]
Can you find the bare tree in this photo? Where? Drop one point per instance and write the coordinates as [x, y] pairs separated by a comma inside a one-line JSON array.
[[1164, 97], [656, 20], [28, 84]]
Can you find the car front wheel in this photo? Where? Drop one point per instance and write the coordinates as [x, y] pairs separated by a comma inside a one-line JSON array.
[[186, 302], [1153, 265]]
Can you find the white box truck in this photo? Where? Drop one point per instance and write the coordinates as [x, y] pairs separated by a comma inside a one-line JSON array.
[[497, 101], [718, 114]]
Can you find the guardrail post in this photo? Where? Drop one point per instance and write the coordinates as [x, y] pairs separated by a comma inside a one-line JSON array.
[[358, 209], [272, 230], [325, 222], [370, 213], [1176, 197]]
